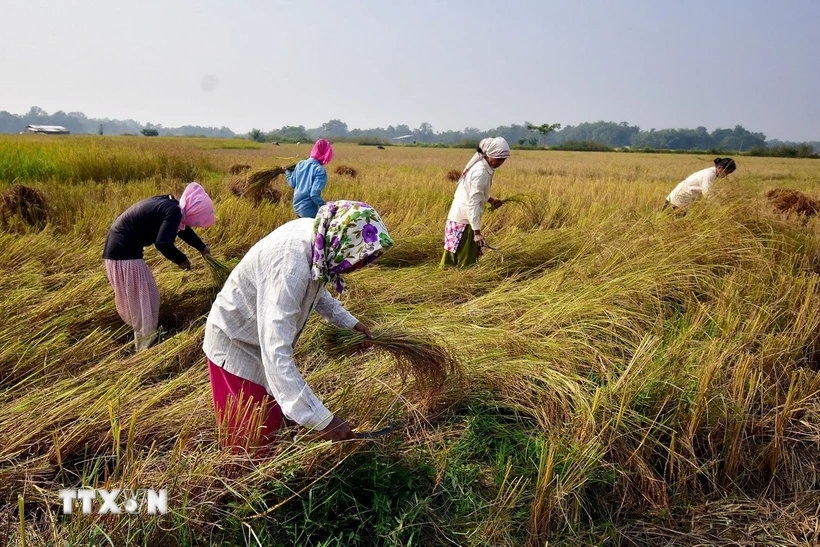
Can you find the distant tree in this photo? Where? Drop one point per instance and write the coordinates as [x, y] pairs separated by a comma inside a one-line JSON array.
[[150, 132], [543, 130], [101, 130], [37, 112], [425, 132], [256, 135], [334, 128]]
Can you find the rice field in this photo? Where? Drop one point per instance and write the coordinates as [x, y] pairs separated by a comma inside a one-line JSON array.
[[625, 377]]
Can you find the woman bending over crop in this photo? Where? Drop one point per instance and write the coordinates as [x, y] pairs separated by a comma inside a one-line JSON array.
[[308, 179], [258, 316], [463, 240], [158, 221], [698, 184]]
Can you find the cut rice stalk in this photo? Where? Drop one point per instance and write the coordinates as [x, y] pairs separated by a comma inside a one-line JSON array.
[[426, 359]]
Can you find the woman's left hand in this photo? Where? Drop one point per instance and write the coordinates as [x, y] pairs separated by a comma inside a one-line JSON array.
[[496, 203], [363, 329]]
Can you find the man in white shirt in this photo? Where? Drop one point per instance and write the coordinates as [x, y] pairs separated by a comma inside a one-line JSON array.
[[259, 314], [698, 184]]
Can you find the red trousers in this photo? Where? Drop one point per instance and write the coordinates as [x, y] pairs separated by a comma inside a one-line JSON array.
[[247, 417]]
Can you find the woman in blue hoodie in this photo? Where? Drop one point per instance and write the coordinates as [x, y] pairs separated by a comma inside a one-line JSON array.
[[308, 179]]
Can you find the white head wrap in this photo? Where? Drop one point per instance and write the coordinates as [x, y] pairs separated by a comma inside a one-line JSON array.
[[491, 147], [495, 147]]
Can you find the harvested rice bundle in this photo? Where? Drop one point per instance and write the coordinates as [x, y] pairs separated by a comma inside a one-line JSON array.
[[346, 171], [257, 186], [427, 360], [788, 200], [238, 186], [238, 168], [219, 272], [453, 175], [262, 177], [26, 202]]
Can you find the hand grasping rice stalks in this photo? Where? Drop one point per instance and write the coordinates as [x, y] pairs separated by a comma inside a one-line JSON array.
[[346, 171], [427, 360], [453, 175], [515, 198]]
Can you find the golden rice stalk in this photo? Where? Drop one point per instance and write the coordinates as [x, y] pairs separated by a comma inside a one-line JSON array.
[[219, 272], [426, 359]]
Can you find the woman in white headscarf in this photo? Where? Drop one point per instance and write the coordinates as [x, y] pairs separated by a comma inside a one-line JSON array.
[[463, 240]]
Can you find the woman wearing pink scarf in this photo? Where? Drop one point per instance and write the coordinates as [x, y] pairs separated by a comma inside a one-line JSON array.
[[308, 180], [154, 221]]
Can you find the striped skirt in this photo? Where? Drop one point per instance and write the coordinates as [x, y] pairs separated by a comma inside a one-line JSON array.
[[137, 298]]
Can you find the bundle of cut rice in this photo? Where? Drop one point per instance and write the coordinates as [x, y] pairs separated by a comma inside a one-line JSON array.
[[346, 171], [788, 200], [453, 175], [219, 272], [426, 359], [26, 202]]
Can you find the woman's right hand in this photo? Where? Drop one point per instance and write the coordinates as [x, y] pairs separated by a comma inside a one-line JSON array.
[[185, 264], [337, 430], [479, 238]]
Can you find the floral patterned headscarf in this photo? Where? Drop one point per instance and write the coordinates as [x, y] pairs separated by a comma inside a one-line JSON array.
[[346, 233]]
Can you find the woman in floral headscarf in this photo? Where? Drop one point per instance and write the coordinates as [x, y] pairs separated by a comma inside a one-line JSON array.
[[463, 240], [308, 179], [258, 316], [158, 221]]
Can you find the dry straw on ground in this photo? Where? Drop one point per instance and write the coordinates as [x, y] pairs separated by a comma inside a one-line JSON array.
[[346, 171], [789, 200], [25, 202], [238, 168]]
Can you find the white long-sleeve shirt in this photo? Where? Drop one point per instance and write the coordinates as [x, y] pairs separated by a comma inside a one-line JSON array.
[[259, 314], [692, 188], [471, 195]]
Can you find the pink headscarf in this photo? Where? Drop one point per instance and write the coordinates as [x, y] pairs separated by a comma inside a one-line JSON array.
[[197, 207], [322, 151]]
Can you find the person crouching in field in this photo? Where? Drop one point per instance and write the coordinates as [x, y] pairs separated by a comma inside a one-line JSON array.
[[257, 318], [308, 179], [698, 184], [158, 221], [463, 240]]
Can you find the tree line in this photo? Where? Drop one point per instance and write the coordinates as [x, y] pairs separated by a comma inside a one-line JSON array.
[[79, 124], [598, 135], [584, 135]]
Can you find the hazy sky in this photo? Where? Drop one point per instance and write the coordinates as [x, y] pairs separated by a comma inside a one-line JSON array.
[[249, 63]]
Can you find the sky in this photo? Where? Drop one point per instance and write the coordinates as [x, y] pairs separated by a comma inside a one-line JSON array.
[[451, 63]]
